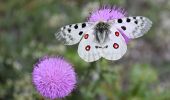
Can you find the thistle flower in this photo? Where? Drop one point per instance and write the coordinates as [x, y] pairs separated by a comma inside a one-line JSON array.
[[107, 13], [53, 77]]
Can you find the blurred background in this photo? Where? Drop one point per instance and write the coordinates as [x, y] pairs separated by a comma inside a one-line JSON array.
[[27, 30]]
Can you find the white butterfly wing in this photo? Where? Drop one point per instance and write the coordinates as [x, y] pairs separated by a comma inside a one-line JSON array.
[[115, 47], [133, 27], [71, 34], [87, 47]]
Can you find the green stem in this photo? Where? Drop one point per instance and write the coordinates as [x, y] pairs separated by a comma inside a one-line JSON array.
[[86, 75], [98, 69], [101, 2]]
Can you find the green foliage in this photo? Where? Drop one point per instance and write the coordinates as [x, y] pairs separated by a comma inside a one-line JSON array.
[[27, 30]]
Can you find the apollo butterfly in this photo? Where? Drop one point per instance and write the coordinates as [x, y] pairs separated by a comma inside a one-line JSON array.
[[103, 38]]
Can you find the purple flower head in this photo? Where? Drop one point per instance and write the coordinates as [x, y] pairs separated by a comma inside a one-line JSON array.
[[107, 13], [53, 77]]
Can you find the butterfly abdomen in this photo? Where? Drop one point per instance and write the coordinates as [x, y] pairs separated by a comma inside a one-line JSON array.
[[101, 32]]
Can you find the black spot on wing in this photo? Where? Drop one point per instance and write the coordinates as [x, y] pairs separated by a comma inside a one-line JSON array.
[[76, 26], [141, 17], [96, 47], [128, 20], [119, 21], [123, 27], [81, 32], [136, 22], [69, 30], [83, 25]]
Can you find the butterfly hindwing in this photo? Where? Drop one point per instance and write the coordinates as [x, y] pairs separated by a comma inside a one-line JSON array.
[[115, 47], [133, 27], [87, 47], [71, 34]]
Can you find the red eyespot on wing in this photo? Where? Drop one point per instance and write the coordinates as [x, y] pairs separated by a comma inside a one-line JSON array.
[[86, 36], [87, 47], [115, 45], [117, 33]]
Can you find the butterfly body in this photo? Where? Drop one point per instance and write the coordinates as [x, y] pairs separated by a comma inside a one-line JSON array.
[[103, 39], [101, 31]]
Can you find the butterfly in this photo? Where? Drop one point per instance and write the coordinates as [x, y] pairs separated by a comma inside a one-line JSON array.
[[103, 38]]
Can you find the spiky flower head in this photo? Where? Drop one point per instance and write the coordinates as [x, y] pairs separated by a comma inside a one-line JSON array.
[[53, 77], [106, 13]]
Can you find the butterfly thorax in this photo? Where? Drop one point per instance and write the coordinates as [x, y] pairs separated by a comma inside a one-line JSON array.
[[101, 32]]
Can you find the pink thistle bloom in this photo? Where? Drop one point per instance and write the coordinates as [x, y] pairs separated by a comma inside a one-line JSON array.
[[107, 13], [53, 77]]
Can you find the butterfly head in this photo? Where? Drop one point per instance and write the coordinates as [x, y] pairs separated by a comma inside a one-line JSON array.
[[102, 30]]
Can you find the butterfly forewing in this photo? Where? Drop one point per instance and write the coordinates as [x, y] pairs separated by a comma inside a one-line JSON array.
[[71, 34], [133, 27]]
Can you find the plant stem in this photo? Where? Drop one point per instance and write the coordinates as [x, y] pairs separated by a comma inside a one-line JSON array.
[[101, 2]]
